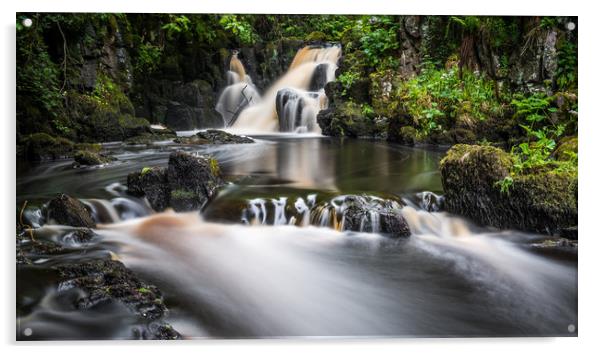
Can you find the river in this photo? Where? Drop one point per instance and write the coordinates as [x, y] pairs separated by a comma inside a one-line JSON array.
[[224, 279]]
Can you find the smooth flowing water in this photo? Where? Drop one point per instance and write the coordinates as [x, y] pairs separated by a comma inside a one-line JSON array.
[[223, 278]]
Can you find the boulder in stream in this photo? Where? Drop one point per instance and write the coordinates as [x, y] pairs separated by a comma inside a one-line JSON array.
[[542, 202], [213, 136], [186, 184], [152, 183], [90, 158], [193, 180], [66, 210]]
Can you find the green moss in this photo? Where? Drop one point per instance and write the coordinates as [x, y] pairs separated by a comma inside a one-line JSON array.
[[316, 36], [84, 157], [145, 170], [41, 146], [567, 149], [182, 194], [214, 165]]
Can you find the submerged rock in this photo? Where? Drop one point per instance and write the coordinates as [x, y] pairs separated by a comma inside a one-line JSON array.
[[213, 136], [544, 202], [186, 184], [66, 210]]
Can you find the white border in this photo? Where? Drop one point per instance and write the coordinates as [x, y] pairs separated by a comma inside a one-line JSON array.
[[590, 250]]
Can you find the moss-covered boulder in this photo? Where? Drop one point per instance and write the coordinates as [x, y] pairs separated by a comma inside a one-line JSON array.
[[43, 147], [567, 148], [89, 158], [348, 119], [65, 210], [193, 180], [152, 183], [543, 203], [187, 184]]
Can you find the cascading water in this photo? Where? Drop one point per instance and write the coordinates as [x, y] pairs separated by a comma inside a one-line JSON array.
[[239, 94], [291, 104], [293, 273]]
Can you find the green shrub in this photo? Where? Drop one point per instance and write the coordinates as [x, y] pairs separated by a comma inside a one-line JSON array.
[[240, 28], [436, 97]]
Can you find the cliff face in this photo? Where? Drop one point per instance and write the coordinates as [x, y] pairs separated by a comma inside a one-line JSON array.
[[105, 77]]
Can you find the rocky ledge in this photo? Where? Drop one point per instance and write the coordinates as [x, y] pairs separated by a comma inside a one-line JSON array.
[[213, 136], [188, 182], [544, 202]]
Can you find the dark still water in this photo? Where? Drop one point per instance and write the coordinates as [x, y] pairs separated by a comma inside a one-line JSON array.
[[224, 279]]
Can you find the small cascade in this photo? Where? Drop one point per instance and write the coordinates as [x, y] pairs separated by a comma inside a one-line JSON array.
[[117, 209], [347, 212], [291, 104]]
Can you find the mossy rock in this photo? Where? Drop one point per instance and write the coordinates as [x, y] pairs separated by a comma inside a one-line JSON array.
[[89, 158], [543, 203], [316, 36], [347, 119], [567, 148], [42, 147]]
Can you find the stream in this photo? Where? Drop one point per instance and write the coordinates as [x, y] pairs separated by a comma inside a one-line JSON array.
[[222, 278]]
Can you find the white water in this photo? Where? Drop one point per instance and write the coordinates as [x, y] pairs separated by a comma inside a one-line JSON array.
[[286, 280], [259, 114]]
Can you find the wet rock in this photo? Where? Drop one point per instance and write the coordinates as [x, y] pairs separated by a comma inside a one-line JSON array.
[[213, 136], [149, 138], [65, 210], [347, 119], [43, 147], [108, 280], [152, 183], [368, 214], [186, 184], [89, 158], [80, 236], [180, 116], [193, 180], [544, 202], [319, 78]]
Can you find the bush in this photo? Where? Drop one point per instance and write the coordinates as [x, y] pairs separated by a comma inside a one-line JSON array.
[[436, 97]]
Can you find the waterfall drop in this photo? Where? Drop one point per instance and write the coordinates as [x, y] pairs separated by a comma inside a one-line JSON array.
[[291, 104]]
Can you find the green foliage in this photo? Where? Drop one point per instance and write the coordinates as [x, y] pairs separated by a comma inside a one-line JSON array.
[[148, 59], [37, 75], [378, 37], [436, 97], [347, 79], [533, 113], [239, 27], [505, 184], [532, 109], [566, 74], [177, 24]]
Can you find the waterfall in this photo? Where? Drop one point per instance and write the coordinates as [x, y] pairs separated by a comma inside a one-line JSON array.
[[239, 94], [291, 104]]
